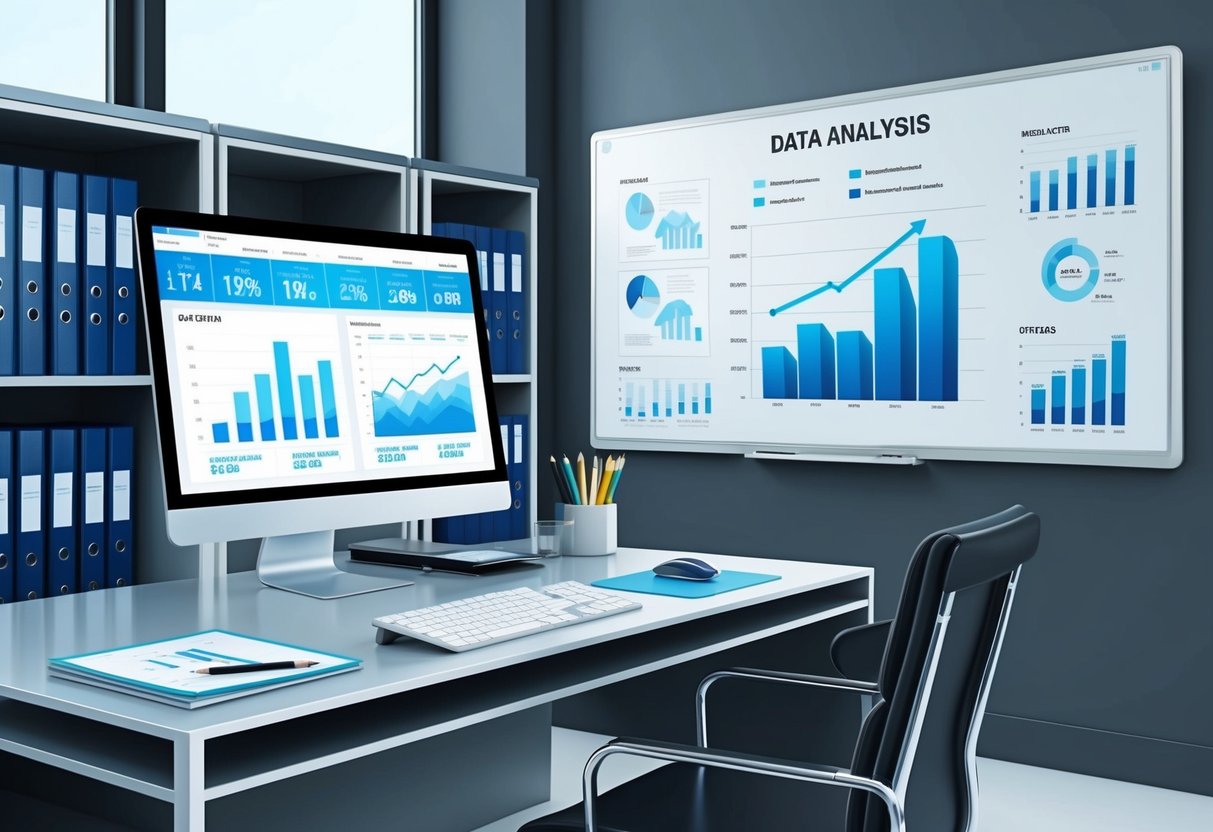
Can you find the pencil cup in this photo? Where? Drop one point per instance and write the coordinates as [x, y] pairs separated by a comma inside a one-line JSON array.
[[596, 526]]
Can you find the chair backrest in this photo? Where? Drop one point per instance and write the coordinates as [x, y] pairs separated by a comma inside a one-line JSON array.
[[920, 738]]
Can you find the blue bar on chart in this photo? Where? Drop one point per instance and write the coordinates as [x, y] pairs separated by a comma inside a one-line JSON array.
[[641, 413], [669, 399], [1038, 404], [695, 394], [682, 399], [1099, 390], [307, 403], [627, 402], [1072, 183], [778, 373], [1059, 399], [1078, 396], [854, 365], [656, 411], [1130, 170], [286, 392], [1034, 185], [328, 399], [221, 432], [815, 348], [1092, 180], [896, 337], [1109, 178], [938, 320], [1053, 190], [1118, 381], [707, 398], [265, 406], [698, 333], [244, 417]]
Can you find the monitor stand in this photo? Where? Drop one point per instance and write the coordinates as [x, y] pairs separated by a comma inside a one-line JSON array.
[[303, 563]]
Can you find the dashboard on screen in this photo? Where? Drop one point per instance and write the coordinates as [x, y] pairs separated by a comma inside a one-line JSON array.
[[982, 268], [303, 361]]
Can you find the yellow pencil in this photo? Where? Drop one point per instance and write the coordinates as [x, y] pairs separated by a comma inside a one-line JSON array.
[[593, 495], [604, 486], [610, 497], [585, 497]]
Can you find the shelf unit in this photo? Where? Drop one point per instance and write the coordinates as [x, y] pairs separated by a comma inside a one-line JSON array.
[[172, 159], [448, 193]]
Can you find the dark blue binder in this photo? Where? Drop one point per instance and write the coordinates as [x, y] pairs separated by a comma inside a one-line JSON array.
[[124, 196], [97, 256], [8, 274], [516, 358], [498, 352], [119, 566], [502, 520], [31, 538], [91, 546], [63, 222], [31, 271], [520, 476], [478, 237], [8, 494], [61, 577]]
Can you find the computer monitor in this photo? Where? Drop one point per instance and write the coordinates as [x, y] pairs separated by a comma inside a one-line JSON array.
[[309, 378]]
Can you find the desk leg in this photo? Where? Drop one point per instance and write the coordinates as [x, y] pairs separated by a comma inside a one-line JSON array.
[[189, 810]]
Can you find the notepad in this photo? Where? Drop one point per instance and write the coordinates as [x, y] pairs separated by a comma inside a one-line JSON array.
[[164, 671], [660, 585]]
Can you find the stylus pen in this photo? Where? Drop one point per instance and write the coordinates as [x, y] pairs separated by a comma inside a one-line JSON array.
[[562, 485], [249, 668]]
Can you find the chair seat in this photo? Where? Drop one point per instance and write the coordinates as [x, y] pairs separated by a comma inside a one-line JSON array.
[[686, 798]]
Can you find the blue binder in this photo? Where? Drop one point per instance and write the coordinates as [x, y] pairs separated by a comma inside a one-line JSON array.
[[95, 323], [91, 546], [119, 565], [31, 539], [8, 556], [124, 196], [63, 222], [479, 238], [501, 299], [8, 274], [516, 357], [502, 525], [61, 512], [31, 272], [520, 476]]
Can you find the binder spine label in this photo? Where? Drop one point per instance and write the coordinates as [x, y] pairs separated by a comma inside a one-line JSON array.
[[61, 512], [3, 505], [498, 271], [31, 503], [124, 243], [94, 497], [31, 234], [483, 258], [3, 221], [122, 496], [65, 224], [516, 273], [95, 247]]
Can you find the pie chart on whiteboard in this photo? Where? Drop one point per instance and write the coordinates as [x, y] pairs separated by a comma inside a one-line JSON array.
[[643, 297], [639, 211]]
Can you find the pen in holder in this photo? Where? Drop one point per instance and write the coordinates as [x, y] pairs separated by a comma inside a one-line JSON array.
[[596, 527]]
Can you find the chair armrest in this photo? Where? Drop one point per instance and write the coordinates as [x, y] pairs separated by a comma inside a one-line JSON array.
[[773, 766], [859, 651], [805, 679]]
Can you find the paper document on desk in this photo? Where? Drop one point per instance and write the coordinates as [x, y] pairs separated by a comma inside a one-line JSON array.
[[166, 671]]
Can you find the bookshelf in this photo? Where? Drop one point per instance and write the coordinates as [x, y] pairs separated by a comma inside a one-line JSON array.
[[172, 159]]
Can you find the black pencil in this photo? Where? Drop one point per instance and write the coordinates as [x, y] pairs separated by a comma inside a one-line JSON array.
[[562, 484]]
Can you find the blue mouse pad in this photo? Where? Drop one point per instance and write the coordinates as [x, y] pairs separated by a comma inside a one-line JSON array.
[[660, 585]]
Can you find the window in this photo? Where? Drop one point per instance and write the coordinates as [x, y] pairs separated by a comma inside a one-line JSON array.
[[335, 70], [57, 47]]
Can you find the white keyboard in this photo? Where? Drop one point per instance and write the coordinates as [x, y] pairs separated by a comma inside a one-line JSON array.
[[499, 616]]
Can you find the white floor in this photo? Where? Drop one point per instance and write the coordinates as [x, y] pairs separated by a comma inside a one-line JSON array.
[[1014, 798]]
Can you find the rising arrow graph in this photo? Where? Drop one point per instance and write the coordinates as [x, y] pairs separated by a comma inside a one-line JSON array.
[[413, 380], [915, 228]]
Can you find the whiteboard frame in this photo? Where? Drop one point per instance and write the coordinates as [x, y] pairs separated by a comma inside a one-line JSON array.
[[1169, 458]]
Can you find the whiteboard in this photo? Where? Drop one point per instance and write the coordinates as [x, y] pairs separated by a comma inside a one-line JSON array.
[[985, 268]]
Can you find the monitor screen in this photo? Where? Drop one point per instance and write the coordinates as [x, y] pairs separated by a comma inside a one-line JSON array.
[[293, 362]]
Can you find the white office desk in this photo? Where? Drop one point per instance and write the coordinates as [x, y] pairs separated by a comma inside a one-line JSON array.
[[407, 694]]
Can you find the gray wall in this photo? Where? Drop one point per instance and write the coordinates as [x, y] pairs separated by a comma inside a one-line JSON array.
[[1108, 666]]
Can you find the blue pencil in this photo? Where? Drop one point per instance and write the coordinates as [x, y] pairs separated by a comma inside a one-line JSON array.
[[568, 472]]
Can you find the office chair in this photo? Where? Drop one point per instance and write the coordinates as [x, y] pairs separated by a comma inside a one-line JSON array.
[[914, 763]]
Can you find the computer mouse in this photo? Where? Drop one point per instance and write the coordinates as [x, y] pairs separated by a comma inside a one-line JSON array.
[[688, 569]]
